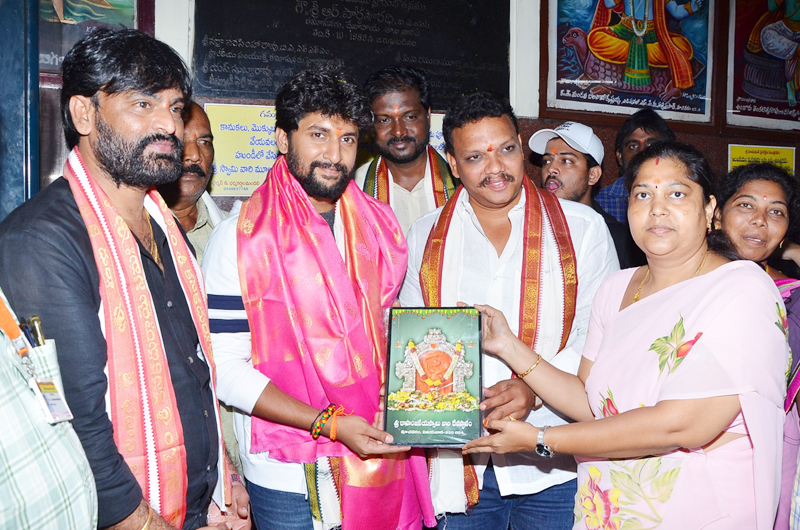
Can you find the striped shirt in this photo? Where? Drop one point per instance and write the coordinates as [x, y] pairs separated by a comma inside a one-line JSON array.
[[239, 385]]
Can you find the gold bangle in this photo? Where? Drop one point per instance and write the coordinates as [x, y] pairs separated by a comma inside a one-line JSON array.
[[149, 518], [531, 369]]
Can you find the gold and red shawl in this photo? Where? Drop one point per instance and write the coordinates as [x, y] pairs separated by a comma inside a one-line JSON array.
[[443, 185], [537, 205]]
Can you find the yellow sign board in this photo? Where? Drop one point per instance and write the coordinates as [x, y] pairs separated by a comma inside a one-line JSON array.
[[739, 155], [244, 147]]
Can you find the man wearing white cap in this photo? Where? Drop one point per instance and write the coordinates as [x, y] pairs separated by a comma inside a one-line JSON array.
[[572, 158]]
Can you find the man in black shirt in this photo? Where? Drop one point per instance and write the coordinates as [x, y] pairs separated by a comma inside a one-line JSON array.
[[127, 313]]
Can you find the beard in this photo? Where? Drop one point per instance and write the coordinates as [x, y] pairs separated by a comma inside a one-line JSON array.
[[316, 187], [127, 162], [386, 153]]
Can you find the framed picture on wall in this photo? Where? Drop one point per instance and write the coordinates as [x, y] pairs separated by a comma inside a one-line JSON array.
[[618, 56], [763, 73], [62, 23]]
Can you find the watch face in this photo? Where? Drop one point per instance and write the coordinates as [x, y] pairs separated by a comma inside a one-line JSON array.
[[544, 451]]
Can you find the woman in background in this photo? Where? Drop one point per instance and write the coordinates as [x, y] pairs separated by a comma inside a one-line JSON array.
[[758, 209], [679, 398]]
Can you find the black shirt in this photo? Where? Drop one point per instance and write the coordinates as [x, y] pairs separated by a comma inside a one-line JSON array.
[[623, 242], [47, 267]]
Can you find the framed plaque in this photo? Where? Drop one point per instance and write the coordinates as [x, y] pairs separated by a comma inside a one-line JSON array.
[[433, 379]]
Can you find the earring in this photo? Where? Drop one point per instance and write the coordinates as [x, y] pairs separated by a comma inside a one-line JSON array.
[[709, 227]]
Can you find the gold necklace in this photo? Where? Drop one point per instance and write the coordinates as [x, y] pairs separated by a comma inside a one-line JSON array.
[[153, 245], [647, 275]]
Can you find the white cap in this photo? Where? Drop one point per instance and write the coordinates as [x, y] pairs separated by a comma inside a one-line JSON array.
[[577, 135]]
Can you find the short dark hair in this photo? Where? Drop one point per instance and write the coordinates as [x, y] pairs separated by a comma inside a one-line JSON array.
[[113, 61], [698, 171], [474, 107], [649, 121], [328, 92], [398, 79], [730, 184]]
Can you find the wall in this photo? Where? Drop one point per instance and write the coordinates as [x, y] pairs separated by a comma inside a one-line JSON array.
[[174, 24]]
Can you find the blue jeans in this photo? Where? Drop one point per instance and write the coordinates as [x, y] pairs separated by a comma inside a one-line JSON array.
[[279, 510], [551, 509]]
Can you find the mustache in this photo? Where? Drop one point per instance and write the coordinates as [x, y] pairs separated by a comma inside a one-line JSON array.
[[341, 168], [552, 177], [505, 176], [160, 137], [194, 168], [396, 140]]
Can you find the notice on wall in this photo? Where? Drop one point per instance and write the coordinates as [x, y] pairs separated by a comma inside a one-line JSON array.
[[244, 147], [739, 155]]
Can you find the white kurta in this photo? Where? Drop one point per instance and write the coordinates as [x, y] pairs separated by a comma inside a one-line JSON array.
[[474, 273]]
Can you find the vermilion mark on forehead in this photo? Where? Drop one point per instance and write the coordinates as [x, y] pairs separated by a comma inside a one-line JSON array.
[[657, 182], [554, 151], [490, 148], [657, 160], [765, 197], [338, 132]]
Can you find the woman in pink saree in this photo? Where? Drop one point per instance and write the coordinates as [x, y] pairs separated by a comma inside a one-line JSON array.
[[758, 208], [677, 426]]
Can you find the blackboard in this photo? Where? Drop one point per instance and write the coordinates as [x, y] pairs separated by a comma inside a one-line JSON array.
[[249, 48]]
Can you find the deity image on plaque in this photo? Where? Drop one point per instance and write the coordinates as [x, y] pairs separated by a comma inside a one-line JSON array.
[[433, 376], [623, 55]]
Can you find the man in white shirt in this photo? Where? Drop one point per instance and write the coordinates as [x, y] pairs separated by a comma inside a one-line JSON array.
[[502, 242], [409, 175], [298, 278]]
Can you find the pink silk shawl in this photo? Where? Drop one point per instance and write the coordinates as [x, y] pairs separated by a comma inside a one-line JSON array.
[[715, 335], [318, 332]]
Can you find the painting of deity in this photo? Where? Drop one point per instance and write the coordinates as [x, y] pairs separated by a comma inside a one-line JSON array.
[[62, 23], [763, 56], [619, 56]]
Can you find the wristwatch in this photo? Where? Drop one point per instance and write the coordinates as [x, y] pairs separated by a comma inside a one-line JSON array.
[[542, 449]]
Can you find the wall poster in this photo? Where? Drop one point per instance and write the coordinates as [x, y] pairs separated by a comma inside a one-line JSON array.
[[619, 56], [763, 61], [62, 23]]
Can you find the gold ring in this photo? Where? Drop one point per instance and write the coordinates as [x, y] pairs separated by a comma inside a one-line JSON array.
[[512, 418]]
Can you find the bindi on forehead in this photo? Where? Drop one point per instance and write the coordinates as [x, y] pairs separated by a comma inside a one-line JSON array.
[[656, 181], [657, 160], [490, 148], [554, 151], [765, 197]]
